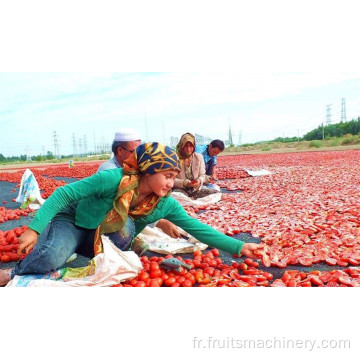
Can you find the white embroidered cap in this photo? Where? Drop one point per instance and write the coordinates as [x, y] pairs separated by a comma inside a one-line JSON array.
[[127, 135]]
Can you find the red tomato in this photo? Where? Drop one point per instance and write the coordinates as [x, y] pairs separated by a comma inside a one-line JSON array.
[[243, 266], [154, 259], [155, 273], [209, 270], [180, 279], [154, 266], [305, 261], [251, 262], [132, 282], [197, 252], [330, 261], [5, 258], [212, 263], [154, 283], [215, 252], [143, 276], [186, 283], [169, 281]]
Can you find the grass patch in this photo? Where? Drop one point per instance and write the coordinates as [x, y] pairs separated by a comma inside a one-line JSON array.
[[347, 141], [315, 144]]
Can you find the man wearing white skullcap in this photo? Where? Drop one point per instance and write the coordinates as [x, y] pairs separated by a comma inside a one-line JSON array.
[[124, 144]]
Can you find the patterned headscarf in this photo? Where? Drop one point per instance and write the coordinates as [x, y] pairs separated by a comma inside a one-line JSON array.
[[149, 158], [188, 137]]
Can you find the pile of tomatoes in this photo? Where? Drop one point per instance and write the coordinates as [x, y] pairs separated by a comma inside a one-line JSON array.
[[9, 244], [231, 173], [207, 270], [79, 171], [307, 211], [349, 277], [13, 214]]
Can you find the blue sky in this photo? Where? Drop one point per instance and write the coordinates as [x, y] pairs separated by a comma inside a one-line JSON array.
[[257, 106]]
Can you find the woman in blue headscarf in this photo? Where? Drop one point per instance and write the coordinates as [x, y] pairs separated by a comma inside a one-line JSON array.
[[117, 201]]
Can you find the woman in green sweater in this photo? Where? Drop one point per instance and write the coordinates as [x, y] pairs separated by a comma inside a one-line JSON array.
[[118, 202]]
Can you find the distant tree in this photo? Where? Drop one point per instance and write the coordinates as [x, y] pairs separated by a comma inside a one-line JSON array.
[[49, 155], [39, 158]]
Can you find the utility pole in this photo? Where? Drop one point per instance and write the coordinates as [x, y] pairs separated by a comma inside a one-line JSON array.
[[74, 145], [343, 110], [298, 135], [328, 114], [323, 130], [230, 137], [240, 138], [102, 145], [85, 145], [56, 145], [27, 150]]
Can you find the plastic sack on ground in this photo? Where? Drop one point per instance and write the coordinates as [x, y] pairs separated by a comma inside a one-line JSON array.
[[185, 200], [106, 269], [258, 172], [29, 193], [161, 243]]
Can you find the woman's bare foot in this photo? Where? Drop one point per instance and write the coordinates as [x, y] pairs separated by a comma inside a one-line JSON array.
[[5, 276]]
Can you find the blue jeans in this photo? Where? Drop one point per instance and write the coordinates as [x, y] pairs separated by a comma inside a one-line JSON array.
[[209, 167], [61, 238]]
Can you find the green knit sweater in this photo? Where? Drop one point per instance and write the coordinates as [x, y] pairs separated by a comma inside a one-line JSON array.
[[95, 196]]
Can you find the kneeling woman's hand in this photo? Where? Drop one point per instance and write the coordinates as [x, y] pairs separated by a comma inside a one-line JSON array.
[[27, 241], [195, 184], [249, 248]]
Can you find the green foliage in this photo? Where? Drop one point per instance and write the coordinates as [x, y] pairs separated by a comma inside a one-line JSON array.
[[334, 130], [347, 140], [335, 142], [266, 148], [315, 144], [285, 139]]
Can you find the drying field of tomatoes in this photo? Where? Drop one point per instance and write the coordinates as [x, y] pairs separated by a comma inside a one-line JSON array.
[[306, 213]]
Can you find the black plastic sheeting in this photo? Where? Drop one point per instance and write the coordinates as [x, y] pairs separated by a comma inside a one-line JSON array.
[[6, 194]]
